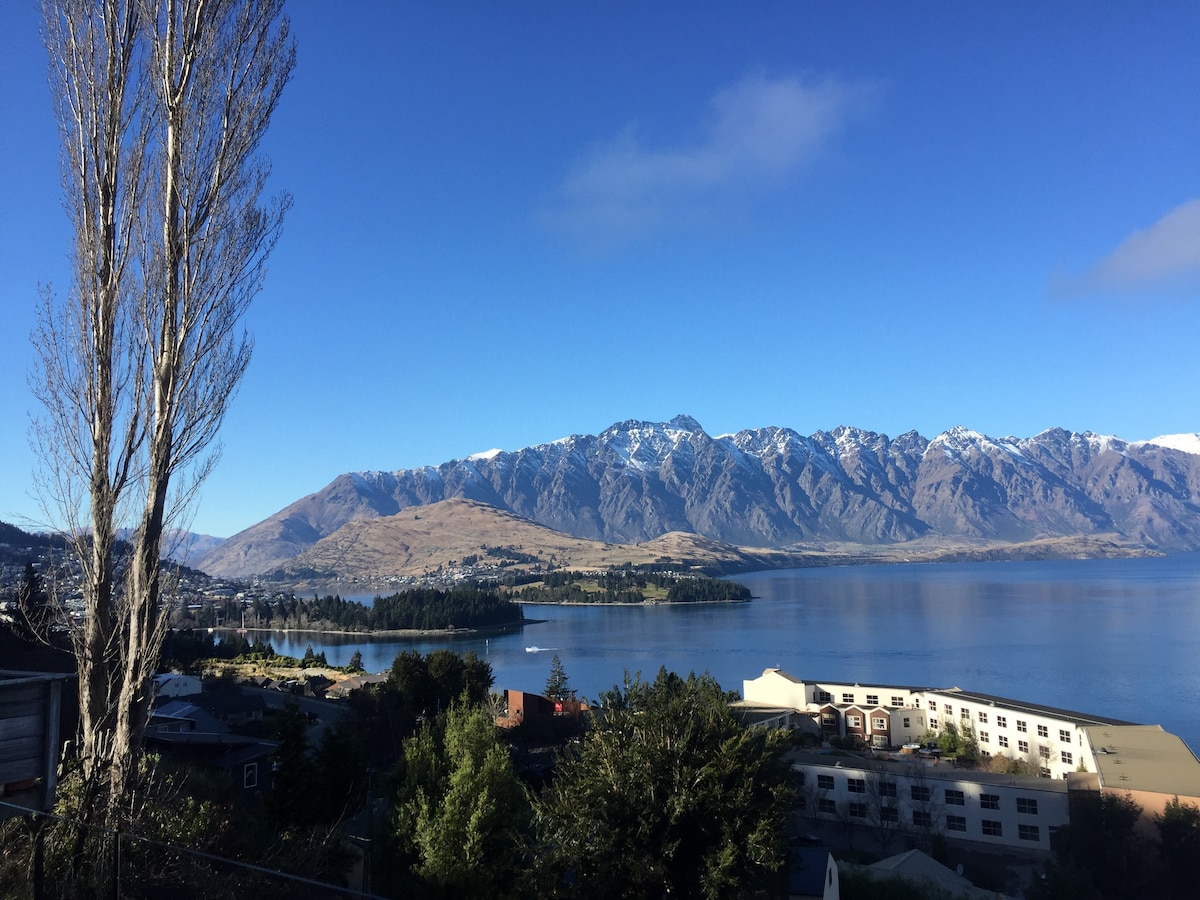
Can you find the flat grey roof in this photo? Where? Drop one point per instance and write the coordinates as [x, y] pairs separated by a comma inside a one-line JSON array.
[[1144, 758]]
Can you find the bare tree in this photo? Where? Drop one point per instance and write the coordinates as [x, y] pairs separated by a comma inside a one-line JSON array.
[[161, 108]]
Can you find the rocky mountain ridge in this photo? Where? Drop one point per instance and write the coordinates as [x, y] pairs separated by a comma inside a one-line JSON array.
[[774, 488]]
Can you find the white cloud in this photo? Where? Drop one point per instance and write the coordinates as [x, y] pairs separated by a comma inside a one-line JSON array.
[[1165, 256], [760, 133]]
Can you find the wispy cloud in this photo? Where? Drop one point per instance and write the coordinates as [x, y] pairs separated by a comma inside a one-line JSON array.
[[1162, 258], [760, 133]]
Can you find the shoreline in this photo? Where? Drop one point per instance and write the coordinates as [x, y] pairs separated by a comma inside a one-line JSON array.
[[386, 632]]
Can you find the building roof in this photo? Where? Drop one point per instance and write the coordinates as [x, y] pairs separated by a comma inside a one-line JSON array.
[[921, 867], [1144, 758]]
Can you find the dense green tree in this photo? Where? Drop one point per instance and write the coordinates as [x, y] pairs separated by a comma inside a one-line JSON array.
[[356, 662], [1100, 841], [667, 794], [948, 738], [461, 813], [1179, 846], [558, 686]]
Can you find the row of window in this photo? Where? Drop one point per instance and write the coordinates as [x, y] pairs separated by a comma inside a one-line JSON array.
[[923, 794], [923, 819], [1064, 734], [872, 699]]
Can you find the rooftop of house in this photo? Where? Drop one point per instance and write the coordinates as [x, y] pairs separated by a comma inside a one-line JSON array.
[[824, 682], [1144, 758]]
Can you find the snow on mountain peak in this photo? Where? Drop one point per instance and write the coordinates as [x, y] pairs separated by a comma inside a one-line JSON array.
[[1185, 443], [486, 454]]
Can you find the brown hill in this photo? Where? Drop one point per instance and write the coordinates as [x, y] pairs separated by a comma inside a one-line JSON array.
[[421, 541], [463, 537]]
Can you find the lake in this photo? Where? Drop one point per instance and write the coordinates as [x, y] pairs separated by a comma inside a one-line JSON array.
[[1118, 638]]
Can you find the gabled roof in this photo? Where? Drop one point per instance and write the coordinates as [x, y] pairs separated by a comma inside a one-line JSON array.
[[917, 866]]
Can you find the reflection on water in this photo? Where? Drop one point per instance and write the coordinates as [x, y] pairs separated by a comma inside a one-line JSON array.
[[1112, 637]]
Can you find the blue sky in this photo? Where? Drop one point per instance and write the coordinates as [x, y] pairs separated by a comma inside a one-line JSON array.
[[515, 222]]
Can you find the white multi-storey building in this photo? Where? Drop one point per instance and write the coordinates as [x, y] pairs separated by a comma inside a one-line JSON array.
[[1052, 741], [1071, 752]]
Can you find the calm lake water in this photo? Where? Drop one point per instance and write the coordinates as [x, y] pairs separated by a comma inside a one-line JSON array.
[[1112, 637]]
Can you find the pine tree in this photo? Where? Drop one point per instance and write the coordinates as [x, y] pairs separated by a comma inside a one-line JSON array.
[[462, 813], [558, 686]]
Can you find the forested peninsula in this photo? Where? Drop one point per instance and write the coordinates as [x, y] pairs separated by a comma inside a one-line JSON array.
[[419, 609], [631, 586]]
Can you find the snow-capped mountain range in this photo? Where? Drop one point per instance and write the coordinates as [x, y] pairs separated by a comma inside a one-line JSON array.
[[772, 487]]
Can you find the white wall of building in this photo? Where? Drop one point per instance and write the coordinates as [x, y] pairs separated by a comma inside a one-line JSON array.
[[999, 810]]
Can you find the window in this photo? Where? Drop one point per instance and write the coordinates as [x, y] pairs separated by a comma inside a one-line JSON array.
[[1002, 740], [933, 704], [906, 720], [956, 823], [1043, 751], [954, 798], [853, 721], [1043, 772], [984, 738], [887, 789], [989, 801], [801, 778], [1064, 736], [992, 828], [965, 714], [922, 819], [932, 723], [858, 810], [879, 723], [889, 814], [983, 717], [828, 718], [1027, 805], [1021, 725], [1023, 746], [856, 785], [949, 711], [825, 782], [827, 807], [1067, 758], [847, 698], [872, 699], [250, 775], [921, 793], [1029, 833], [897, 701], [1043, 731], [824, 697], [1001, 721]]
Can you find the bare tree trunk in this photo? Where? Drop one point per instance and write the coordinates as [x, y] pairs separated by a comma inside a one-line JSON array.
[[161, 107]]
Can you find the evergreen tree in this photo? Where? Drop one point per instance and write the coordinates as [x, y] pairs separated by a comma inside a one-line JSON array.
[[1179, 845], [558, 685], [667, 795], [462, 811]]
